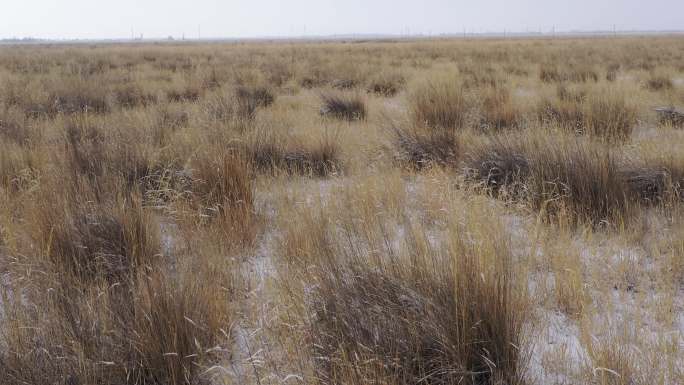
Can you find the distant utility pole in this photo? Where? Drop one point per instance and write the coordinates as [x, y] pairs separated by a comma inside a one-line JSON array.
[[199, 32]]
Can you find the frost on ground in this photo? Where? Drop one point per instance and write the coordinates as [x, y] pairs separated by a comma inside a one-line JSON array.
[[622, 305]]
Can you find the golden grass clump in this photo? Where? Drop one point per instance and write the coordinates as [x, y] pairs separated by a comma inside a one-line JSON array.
[[223, 192], [498, 110], [602, 114], [322, 160], [104, 155], [91, 241], [419, 313], [387, 85], [658, 82], [610, 115], [562, 178], [250, 99], [132, 96], [656, 175], [498, 164], [101, 264], [14, 126], [77, 96], [576, 74], [580, 180], [421, 147], [19, 168], [439, 103]]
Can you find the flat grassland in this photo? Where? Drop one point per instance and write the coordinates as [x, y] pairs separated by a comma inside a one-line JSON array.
[[411, 212]]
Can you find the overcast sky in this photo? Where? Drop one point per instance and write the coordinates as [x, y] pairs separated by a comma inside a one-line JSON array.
[[257, 18]]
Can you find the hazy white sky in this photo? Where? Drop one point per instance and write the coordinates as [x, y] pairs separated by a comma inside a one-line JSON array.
[[251, 18]]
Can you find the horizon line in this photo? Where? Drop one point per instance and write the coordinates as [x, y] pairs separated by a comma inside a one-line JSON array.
[[348, 36]]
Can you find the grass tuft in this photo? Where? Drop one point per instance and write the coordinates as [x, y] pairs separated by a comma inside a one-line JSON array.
[[344, 107], [439, 103], [422, 147]]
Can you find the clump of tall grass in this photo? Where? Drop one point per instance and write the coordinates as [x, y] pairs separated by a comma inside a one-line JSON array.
[[239, 105], [602, 114], [344, 84], [568, 178], [655, 174], [222, 189], [167, 119], [348, 107], [185, 94], [612, 361], [498, 110], [476, 76], [417, 314], [102, 154], [269, 153], [250, 99], [422, 147], [553, 74], [85, 147], [20, 168], [658, 82], [610, 115], [386, 85], [110, 309], [14, 126], [501, 163], [579, 179], [439, 103], [670, 116], [70, 97], [94, 241], [131, 96]]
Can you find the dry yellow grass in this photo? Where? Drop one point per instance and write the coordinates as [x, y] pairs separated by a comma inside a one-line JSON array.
[[436, 212]]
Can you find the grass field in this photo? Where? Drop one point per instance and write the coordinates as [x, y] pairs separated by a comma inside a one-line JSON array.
[[481, 211]]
